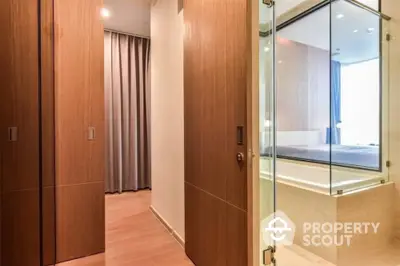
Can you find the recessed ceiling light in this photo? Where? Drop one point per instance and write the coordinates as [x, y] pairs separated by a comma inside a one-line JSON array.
[[339, 16], [266, 49], [370, 30], [355, 31], [105, 13]]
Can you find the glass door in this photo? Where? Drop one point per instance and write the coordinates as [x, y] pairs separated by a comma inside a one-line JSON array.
[[323, 133], [266, 129]]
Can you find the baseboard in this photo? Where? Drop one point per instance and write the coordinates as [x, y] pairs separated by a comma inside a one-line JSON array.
[[169, 228]]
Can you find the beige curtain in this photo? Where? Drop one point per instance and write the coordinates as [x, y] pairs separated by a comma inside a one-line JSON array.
[[127, 94]]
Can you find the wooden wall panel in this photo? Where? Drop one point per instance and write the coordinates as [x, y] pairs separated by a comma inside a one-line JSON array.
[[97, 103], [20, 228], [80, 221], [205, 96], [19, 184], [236, 82], [49, 225], [48, 134], [215, 83], [79, 104], [236, 236], [205, 216], [72, 90], [20, 91]]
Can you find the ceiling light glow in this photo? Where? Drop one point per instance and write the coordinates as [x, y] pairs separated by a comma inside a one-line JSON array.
[[105, 13], [355, 31], [339, 16]]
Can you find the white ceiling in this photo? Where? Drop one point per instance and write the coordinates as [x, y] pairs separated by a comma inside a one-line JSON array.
[[347, 46], [283, 6], [131, 16]]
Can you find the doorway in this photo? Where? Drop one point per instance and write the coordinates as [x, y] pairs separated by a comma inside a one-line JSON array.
[[317, 169]]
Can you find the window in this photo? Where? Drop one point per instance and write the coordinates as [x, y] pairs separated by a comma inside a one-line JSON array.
[[328, 78]]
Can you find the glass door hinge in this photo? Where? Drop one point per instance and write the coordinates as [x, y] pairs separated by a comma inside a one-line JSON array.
[[388, 163], [269, 256], [269, 3], [388, 37]]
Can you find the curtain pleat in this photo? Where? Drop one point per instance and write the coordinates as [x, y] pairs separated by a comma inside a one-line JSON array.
[[127, 91]]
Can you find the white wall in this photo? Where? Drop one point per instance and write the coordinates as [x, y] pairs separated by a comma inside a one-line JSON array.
[[131, 16], [167, 133]]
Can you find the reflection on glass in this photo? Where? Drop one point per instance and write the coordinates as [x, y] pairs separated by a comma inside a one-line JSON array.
[[355, 88], [316, 89], [329, 113]]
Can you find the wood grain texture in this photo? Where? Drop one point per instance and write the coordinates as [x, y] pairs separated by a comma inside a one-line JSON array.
[[79, 104], [20, 228], [49, 225], [19, 184], [236, 83], [19, 108], [72, 93], [48, 134], [47, 93], [205, 228], [80, 220], [97, 150], [215, 87], [205, 92], [236, 236]]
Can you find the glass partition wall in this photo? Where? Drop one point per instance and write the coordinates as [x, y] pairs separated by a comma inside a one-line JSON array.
[[329, 64], [323, 112], [266, 124], [359, 89]]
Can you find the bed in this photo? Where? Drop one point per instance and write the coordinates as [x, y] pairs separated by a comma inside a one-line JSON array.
[[344, 155]]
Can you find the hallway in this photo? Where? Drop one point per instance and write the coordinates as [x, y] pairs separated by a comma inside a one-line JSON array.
[[134, 236]]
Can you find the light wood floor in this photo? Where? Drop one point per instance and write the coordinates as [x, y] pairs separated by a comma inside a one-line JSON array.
[[134, 237]]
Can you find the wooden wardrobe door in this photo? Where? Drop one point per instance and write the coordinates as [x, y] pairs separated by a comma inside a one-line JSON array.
[[97, 104], [79, 78], [48, 133], [97, 121], [19, 186], [215, 82]]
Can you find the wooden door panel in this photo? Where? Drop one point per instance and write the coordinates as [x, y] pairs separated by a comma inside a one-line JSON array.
[[20, 228], [80, 221], [205, 216], [96, 87], [19, 61], [80, 162], [236, 82], [72, 68], [236, 236], [205, 97], [19, 184], [215, 84]]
